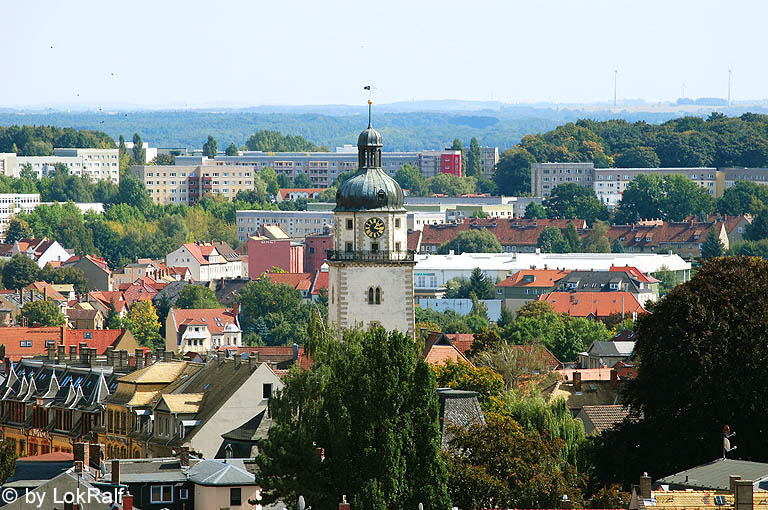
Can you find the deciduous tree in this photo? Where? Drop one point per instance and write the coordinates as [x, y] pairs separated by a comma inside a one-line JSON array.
[[197, 296], [19, 272], [471, 241], [143, 322]]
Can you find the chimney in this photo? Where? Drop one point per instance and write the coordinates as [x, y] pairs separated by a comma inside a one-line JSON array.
[[92, 356], [253, 359], [235, 308], [577, 381], [614, 378], [645, 486], [110, 355], [96, 453], [139, 359], [167, 356], [62, 354], [51, 353], [184, 456], [344, 505], [127, 501], [160, 352], [7, 365], [565, 503], [83, 352], [81, 453], [72, 353], [147, 358], [123, 358], [732, 482], [742, 496], [295, 352], [115, 472]]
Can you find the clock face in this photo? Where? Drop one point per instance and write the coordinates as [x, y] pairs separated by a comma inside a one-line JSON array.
[[374, 228]]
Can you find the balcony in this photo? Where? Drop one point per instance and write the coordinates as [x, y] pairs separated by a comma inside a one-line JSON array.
[[371, 256]]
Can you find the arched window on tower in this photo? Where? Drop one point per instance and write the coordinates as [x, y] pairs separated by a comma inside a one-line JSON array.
[[370, 295], [378, 295]]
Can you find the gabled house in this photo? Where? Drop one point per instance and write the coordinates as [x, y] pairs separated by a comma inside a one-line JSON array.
[[202, 330], [606, 354], [96, 270], [85, 318], [439, 349], [223, 483], [608, 281], [653, 236], [207, 261], [527, 285], [42, 251], [598, 419], [299, 281], [224, 395]]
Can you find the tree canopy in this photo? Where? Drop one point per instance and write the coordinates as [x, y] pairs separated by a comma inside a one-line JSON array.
[[572, 201], [471, 241], [197, 296]]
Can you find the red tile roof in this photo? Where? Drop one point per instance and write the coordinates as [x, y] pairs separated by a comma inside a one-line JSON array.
[[542, 278], [204, 317], [462, 341], [634, 273], [439, 354], [104, 297], [542, 354], [320, 283], [100, 338], [13, 336], [592, 304], [298, 281], [512, 231], [414, 240], [48, 457], [650, 234]]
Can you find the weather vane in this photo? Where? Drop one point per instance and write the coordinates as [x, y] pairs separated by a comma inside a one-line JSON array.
[[370, 88]]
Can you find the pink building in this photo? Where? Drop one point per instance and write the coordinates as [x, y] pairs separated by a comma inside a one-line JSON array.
[[315, 251], [264, 254]]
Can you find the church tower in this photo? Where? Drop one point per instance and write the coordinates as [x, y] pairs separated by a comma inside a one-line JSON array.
[[370, 270]]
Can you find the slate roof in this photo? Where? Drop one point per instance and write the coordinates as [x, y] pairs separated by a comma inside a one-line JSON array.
[[613, 349], [714, 475], [222, 472], [597, 281], [159, 469], [42, 467], [604, 417], [254, 429], [459, 408]]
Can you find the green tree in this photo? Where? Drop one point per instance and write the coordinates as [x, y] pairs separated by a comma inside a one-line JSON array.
[[210, 148], [143, 322], [474, 159], [113, 319], [596, 240], [687, 390], [274, 141], [458, 146], [758, 229], [572, 238], [637, 157], [617, 247], [669, 197], [535, 211], [70, 275], [27, 172], [409, 177], [269, 176], [500, 464], [370, 403], [303, 181], [471, 241], [261, 297], [164, 159], [43, 312], [481, 285], [570, 200], [449, 184], [463, 376], [513, 172], [132, 192], [551, 240], [231, 150], [139, 152], [17, 229], [742, 198], [197, 296], [19, 272], [712, 246]]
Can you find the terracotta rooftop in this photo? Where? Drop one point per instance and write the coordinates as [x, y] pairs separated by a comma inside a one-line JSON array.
[[216, 319], [605, 417], [593, 304], [512, 231], [298, 281], [534, 278]]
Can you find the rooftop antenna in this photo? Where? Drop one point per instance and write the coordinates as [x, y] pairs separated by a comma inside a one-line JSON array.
[[369, 88], [615, 81], [730, 71], [727, 435]]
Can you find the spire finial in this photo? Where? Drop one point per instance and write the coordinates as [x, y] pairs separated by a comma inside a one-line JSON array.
[[370, 125]]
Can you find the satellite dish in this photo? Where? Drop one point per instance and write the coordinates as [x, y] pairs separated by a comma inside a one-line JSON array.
[[300, 504]]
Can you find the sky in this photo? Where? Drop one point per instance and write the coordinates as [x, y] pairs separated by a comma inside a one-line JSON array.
[[189, 53]]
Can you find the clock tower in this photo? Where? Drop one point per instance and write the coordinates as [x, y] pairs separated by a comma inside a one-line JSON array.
[[370, 270]]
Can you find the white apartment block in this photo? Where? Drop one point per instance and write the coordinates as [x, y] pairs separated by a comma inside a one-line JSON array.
[[98, 164], [296, 224], [609, 183], [15, 203], [489, 157]]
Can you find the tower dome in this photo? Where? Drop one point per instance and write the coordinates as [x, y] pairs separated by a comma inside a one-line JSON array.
[[370, 188]]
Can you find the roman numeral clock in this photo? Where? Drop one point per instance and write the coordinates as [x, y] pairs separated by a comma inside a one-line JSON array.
[[374, 227]]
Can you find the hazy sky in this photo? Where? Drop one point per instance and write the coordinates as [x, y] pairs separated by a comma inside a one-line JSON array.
[[323, 51]]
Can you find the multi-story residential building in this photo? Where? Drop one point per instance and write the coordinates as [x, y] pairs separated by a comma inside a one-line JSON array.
[[186, 184], [683, 238], [202, 330], [207, 261], [489, 158], [610, 281], [98, 164], [527, 285], [545, 176], [432, 163], [294, 223], [610, 183], [15, 203]]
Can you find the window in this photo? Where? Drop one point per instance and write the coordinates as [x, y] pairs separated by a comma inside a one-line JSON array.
[[374, 247], [161, 494], [349, 247], [266, 391], [183, 494], [26, 343], [397, 222], [88, 334], [235, 496], [378, 296], [349, 224]]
